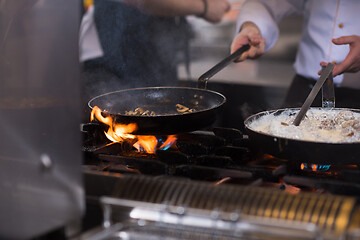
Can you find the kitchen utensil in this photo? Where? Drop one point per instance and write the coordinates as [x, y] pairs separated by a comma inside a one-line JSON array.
[[163, 100], [314, 91], [328, 92]]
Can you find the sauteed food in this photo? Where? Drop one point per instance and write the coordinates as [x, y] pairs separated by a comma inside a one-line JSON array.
[[141, 112], [319, 125]]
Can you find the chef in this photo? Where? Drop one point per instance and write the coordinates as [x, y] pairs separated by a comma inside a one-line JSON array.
[[138, 43], [142, 40], [331, 33]]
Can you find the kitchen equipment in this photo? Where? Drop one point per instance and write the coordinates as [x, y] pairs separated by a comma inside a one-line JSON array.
[[314, 91], [40, 174], [163, 100], [210, 186], [328, 92], [307, 151], [179, 208], [303, 151]]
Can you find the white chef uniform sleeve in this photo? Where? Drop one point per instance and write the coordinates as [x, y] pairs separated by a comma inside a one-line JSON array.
[[266, 15]]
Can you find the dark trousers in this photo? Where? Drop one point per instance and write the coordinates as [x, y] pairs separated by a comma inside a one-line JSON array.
[[301, 87]]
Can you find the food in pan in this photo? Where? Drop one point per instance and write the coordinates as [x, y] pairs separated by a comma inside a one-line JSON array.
[[141, 112], [319, 125], [182, 109]]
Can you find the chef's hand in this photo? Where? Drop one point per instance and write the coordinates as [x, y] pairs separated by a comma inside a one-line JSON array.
[[352, 61], [249, 34], [215, 10]]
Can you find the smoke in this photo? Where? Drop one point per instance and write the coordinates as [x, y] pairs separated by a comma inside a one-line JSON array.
[[139, 50]]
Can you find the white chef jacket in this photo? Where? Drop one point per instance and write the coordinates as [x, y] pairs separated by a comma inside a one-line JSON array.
[[323, 20], [89, 43]]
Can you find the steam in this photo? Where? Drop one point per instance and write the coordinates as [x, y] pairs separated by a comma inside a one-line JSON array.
[[139, 50]]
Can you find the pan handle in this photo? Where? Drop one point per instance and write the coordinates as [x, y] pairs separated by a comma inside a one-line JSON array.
[[203, 79]]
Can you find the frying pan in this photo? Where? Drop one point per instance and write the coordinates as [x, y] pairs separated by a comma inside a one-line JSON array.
[[302, 151], [162, 100]]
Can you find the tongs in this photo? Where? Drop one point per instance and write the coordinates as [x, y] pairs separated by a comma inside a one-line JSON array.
[[328, 92], [325, 73]]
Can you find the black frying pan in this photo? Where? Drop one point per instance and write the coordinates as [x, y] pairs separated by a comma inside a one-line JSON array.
[[162, 100], [303, 151]]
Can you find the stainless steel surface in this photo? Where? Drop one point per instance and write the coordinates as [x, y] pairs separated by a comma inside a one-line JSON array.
[[314, 91], [40, 174], [165, 221], [236, 199], [328, 92], [175, 204]]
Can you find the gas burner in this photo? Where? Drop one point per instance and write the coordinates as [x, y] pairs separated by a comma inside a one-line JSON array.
[[223, 153], [222, 157]]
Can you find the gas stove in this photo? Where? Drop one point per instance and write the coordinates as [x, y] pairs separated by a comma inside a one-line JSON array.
[[213, 183]]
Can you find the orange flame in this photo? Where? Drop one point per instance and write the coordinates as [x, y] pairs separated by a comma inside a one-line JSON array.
[[116, 132], [302, 166], [169, 141], [148, 143], [120, 132], [314, 167]]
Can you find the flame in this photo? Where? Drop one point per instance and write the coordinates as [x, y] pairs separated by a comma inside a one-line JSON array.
[[314, 167], [120, 132], [168, 142], [146, 143], [302, 166], [96, 113], [116, 132], [149, 143]]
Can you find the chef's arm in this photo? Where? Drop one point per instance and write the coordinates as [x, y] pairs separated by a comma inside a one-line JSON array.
[[210, 10], [249, 34], [352, 61], [257, 24]]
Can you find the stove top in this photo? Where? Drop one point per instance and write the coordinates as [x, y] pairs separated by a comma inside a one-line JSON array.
[[218, 171]]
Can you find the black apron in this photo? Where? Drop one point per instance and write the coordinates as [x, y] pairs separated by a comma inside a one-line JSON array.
[[301, 87]]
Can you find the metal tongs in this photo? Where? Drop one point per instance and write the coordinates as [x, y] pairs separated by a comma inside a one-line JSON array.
[[328, 93]]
